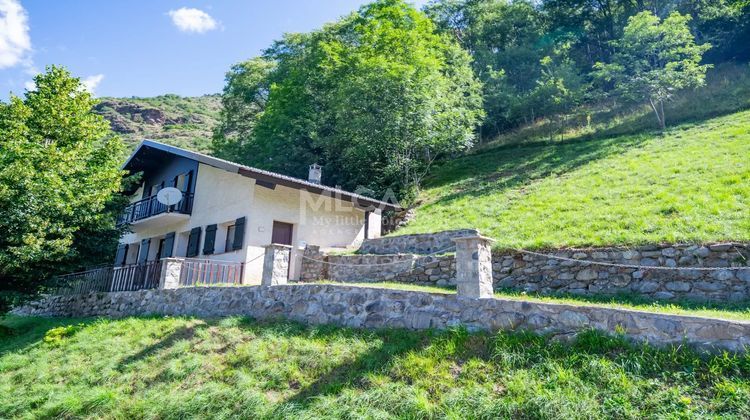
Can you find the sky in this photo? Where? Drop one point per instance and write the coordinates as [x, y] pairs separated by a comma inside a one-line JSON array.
[[147, 48]]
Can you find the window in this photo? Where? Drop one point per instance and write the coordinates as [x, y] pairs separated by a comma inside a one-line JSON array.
[[180, 182], [156, 188], [229, 242]]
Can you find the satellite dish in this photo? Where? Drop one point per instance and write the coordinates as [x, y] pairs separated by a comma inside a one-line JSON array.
[[169, 196]]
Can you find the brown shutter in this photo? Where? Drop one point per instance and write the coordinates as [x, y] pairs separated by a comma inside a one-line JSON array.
[[143, 252], [121, 255], [168, 245], [208, 243], [239, 234], [193, 241]]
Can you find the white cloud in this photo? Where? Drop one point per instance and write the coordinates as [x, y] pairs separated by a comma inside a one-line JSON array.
[[30, 85], [192, 20], [90, 83], [15, 43]]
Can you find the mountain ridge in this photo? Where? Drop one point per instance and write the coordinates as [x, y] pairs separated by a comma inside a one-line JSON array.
[[181, 121]]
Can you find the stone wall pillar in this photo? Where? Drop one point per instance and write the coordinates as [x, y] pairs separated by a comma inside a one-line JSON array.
[[171, 268], [276, 265], [313, 264], [474, 266]]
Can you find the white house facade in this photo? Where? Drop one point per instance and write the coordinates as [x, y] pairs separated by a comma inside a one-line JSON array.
[[230, 212]]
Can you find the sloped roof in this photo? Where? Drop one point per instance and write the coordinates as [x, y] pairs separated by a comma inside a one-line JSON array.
[[133, 164]]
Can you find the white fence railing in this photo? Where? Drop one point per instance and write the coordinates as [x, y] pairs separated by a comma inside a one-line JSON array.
[[196, 272]]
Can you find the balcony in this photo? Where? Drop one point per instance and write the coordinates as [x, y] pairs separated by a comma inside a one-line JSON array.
[[150, 209]]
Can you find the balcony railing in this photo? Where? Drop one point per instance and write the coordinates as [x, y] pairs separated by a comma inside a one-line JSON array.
[[148, 275], [150, 206], [108, 279]]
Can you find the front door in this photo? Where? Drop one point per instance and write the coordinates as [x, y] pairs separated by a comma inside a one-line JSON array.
[[282, 233]]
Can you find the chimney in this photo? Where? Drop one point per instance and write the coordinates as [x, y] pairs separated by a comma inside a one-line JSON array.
[[314, 174]]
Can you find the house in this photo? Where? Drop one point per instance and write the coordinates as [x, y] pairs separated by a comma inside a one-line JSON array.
[[229, 212]]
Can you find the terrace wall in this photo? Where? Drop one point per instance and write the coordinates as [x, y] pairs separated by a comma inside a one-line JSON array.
[[376, 308], [563, 271]]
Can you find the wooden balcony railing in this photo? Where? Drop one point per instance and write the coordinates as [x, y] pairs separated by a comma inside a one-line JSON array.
[[150, 206]]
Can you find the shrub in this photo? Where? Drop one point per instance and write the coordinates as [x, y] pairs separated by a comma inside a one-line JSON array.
[[57, 335]]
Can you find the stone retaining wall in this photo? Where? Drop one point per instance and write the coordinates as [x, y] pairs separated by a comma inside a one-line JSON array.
[[375, 308], [402, 268], [421, 243], [531, 273], [548, 275]]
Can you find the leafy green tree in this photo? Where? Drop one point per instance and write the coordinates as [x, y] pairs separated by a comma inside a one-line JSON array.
[[375, 97], [654, 59], [243, 102], [59, 175], [516, 56]]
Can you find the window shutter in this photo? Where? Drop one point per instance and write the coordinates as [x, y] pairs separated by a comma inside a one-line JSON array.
[[168, 245], [143, 252], [122, 252], [208, 243], [239, 234], [193, 240]]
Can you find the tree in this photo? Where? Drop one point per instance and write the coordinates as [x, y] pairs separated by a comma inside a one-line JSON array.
[[59, 175], [243, 102], [375, 97], [516, 56], [654, 59]]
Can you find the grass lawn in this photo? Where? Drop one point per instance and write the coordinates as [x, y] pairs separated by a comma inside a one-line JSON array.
[[238, 367], [691, 184], [734, 310]]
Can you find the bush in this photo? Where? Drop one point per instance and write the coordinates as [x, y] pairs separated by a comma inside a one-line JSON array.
[[57, 335]]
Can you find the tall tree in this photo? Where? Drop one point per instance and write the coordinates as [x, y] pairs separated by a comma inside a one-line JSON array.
[[375, 97], [654, 59], [516, 56], [243, 102], [59, 175]]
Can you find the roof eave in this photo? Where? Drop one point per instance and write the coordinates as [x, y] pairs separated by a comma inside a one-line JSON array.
[[262, 175]]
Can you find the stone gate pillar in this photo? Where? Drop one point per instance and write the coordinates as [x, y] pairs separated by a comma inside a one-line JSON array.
[[276, 265], [171, 269], [474, 266]]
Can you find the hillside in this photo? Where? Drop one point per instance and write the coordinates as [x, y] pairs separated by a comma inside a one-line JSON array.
[[687, 185], [180, 121], [175, 367]]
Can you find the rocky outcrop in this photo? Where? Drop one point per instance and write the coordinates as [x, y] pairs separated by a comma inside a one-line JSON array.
[[179, 121]]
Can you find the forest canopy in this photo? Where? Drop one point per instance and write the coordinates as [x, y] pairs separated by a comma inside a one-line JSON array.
[[380, 94]]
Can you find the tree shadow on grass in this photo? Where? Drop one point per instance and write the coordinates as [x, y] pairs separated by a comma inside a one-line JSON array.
[[166, 342], [29, 331], [354, 373]]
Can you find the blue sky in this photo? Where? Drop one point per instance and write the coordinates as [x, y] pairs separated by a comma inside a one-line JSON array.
[[148, 48]]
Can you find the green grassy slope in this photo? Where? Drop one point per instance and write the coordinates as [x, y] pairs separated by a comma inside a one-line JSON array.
[[180, 121], [691, 184], [239, 368]]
